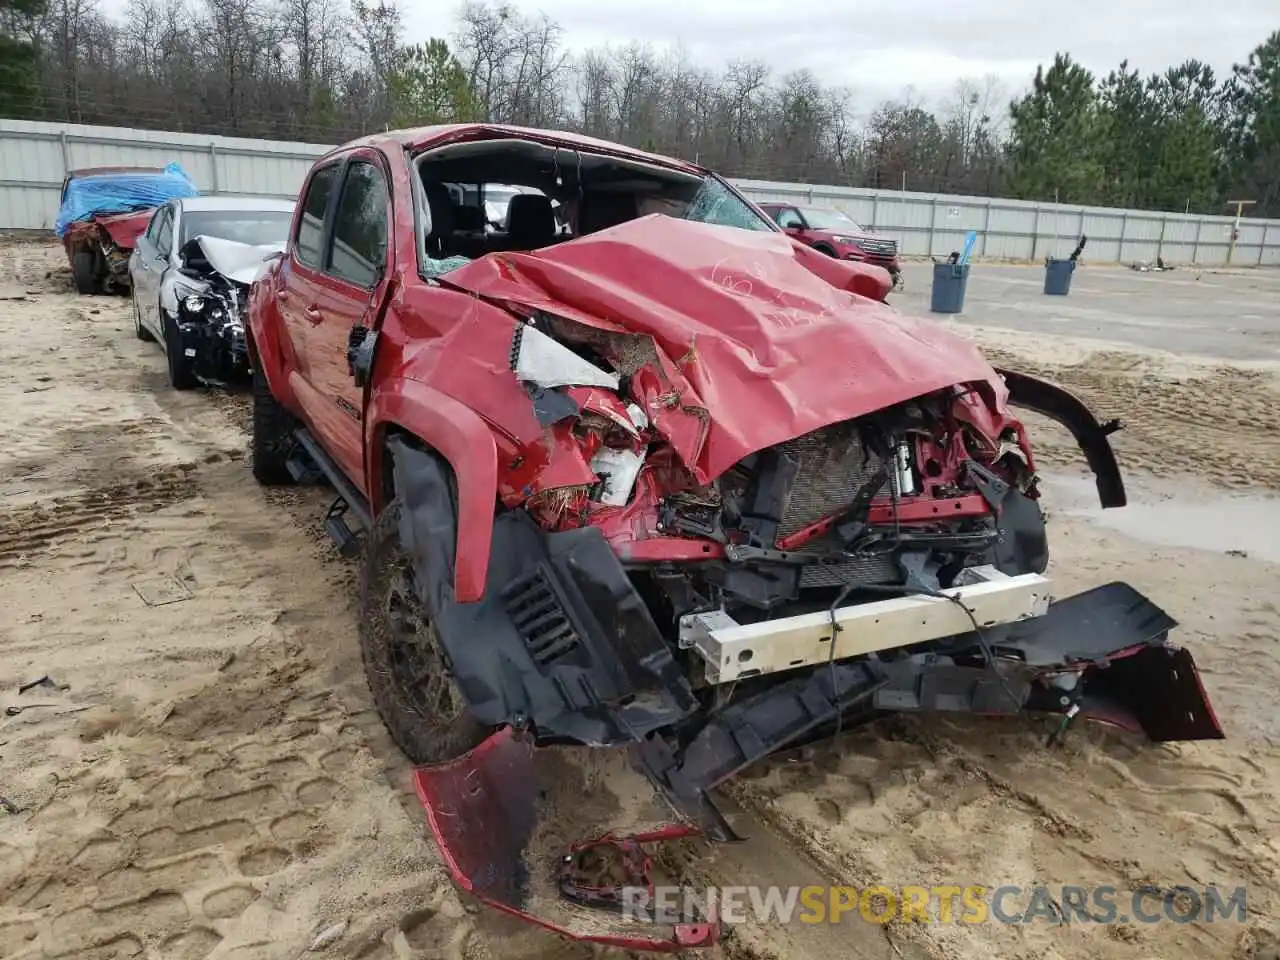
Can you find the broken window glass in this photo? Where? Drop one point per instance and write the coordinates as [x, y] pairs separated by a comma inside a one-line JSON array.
[[715, 203]]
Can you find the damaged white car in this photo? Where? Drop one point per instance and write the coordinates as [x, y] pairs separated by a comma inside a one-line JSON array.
[[191, 271]]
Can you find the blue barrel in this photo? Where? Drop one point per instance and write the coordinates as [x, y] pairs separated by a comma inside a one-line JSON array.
[[949, 282], [1057, 276]]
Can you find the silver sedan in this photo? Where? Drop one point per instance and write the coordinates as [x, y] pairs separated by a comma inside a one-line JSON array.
[[163, 281]]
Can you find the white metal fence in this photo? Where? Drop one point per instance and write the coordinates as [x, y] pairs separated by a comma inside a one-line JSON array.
[[35, 156]]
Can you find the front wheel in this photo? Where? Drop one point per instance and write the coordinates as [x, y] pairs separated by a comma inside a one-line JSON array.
[[139, 331], [273, 437], [180, 375], [404, 661]]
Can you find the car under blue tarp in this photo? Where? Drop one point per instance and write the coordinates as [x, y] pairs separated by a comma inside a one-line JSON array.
[[109, 193]]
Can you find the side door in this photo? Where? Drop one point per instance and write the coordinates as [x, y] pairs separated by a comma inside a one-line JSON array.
[[357, 273], [153, 257], [300, 285]]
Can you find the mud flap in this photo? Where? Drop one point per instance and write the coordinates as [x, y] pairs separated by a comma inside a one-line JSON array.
[[510, 821]]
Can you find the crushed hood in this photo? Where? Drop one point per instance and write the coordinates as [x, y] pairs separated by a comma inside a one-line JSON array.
[[236, 261], [764, 346]]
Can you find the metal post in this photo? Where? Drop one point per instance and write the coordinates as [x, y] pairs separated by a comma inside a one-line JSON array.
[[933, 220], [1164, 222], [66, 152], [875, 209], [1262, 249], [986, 227], [1235, 226], [1124, 228], [213, 164], [1035, 234], [1195, 246]]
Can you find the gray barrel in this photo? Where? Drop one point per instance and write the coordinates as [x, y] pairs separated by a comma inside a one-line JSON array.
[[1057, 276], [949, 282]]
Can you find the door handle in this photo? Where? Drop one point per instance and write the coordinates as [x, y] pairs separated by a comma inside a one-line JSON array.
[[313, 315]]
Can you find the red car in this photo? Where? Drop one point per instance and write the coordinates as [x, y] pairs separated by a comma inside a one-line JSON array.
[[675, 487], [837, 235], [99, 246]]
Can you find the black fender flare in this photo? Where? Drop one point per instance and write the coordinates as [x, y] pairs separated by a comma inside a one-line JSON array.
[[1090, 434]]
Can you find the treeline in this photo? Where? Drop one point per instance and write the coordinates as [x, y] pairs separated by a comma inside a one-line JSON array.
[[323, 71]]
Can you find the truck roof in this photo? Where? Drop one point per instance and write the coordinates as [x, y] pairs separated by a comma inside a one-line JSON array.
[[422, 138]]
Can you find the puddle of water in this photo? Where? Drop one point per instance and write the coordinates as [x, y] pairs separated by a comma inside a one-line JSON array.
[[1207, 521]]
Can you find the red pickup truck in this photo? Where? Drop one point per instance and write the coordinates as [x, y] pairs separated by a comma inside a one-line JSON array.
[[649, 474]]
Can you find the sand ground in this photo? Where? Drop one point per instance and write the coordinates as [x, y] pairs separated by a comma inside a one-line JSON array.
[[204, 776]]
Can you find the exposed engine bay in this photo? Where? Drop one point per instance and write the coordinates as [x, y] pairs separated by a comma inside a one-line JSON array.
[[212, 296]]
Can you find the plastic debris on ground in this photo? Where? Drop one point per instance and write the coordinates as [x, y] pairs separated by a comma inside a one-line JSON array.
[[109, 193]]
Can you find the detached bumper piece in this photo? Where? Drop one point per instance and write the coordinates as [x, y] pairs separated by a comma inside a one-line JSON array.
[[510, 821], [1102, 655], [557, 835]]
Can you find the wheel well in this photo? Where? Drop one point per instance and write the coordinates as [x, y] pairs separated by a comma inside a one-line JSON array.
[[386, 475], [824, 248]]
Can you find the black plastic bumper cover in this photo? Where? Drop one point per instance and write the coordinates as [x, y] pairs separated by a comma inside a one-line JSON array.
[[561, 640]]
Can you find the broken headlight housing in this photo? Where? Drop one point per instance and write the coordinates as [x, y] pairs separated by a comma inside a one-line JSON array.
[[200, 305]]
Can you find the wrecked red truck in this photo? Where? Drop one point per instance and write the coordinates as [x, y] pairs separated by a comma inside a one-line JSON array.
[[643, 474]]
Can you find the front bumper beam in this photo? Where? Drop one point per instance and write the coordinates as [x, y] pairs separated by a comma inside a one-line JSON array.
[[734, 651]]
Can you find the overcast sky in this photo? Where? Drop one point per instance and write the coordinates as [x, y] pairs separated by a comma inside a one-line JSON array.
[[879, 48]]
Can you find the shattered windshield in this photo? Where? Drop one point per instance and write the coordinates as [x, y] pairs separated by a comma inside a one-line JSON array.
[[824, 219], [254, 227], [716, 204]]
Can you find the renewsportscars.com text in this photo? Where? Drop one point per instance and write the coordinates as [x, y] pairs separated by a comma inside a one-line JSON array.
[[972, 904]]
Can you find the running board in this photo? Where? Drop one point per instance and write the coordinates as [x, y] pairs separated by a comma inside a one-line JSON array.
[[349, 498]]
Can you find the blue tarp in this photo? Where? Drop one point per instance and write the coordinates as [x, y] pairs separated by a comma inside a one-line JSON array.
[[109, 193]]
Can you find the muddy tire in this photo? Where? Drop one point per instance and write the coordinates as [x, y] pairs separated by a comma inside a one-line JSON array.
[[273, 438], [418, 701], [180, 375], [84, 271], [139, 331]]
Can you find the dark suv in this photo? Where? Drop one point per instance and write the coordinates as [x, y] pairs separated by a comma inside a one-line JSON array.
[[836, 235]]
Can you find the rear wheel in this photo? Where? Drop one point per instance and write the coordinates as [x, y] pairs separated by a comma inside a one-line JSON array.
[[273, 441], [406, 666], [180, 375], [84, 271]]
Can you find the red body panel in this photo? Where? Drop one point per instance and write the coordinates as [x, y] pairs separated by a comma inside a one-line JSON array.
[[125, 228]]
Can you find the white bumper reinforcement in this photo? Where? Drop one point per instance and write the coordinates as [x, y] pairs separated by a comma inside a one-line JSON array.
[[736, 651]]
